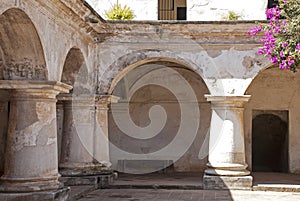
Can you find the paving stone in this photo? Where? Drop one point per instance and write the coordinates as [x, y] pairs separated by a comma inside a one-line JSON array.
[[186, 195]]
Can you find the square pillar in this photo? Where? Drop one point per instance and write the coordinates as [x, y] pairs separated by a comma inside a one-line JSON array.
[[227, 168], [31, 164]]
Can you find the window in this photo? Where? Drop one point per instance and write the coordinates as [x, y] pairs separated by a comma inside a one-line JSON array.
[[172, 10], [272, 3], [166, 9], [181, 13]]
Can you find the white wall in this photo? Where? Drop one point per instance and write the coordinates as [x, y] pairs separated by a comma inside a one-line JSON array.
[[206, 10], [143, 9], [197, 10]]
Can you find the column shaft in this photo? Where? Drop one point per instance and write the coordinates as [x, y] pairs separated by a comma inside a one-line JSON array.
[[31, 147], [226, 144], [85, 146], [77, 156], [101, 132]]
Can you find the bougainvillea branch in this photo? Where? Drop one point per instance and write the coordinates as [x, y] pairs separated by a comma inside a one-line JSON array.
[[281, 37]]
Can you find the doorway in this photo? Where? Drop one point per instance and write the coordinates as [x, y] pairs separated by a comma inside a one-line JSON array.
[[270, 141]]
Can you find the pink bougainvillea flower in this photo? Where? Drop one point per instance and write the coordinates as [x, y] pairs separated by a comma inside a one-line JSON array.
[[253, 31], [281, 38]]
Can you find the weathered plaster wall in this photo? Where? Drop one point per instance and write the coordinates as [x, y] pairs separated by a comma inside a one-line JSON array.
[[22, 55], [57, 32], [275, 89], [222, 54]]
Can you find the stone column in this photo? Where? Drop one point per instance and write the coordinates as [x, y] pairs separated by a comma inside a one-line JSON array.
[[80, 163], [227, 165], [101, 132], [31, 149], [78, 136]]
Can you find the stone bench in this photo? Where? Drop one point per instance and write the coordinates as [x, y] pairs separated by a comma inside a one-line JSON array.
[[144, 166]]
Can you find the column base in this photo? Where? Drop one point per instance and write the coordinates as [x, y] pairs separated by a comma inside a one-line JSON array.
[[217, 182], [55, 195], [227, 171], [28, 185], [103, 180]]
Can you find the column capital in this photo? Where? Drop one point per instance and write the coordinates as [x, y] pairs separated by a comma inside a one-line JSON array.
[[212, 98], [22, 84], [228, 101], [106, 99], [77, 100], [34, 89]]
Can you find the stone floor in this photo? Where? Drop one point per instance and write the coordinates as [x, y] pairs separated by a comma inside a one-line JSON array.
[[164, 181], [182, 187], [185, 195]]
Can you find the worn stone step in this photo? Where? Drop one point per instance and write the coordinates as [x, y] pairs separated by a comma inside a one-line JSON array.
[[277, 188], [157, 186]]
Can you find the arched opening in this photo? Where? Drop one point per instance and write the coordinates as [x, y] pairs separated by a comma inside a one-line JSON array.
[[270, 143], [271, 114], [21, 58], [147, 90], [75, 73], [22, 55]]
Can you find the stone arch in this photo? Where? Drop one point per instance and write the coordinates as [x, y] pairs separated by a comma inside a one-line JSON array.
[[260, 71], [21, 55], [141, 101], [113, 73], [75, 71], [273, 90]]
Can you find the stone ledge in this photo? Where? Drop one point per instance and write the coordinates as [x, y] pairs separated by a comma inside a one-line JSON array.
[[211, 182], [277, 188], [57, 195], [99, 181]]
